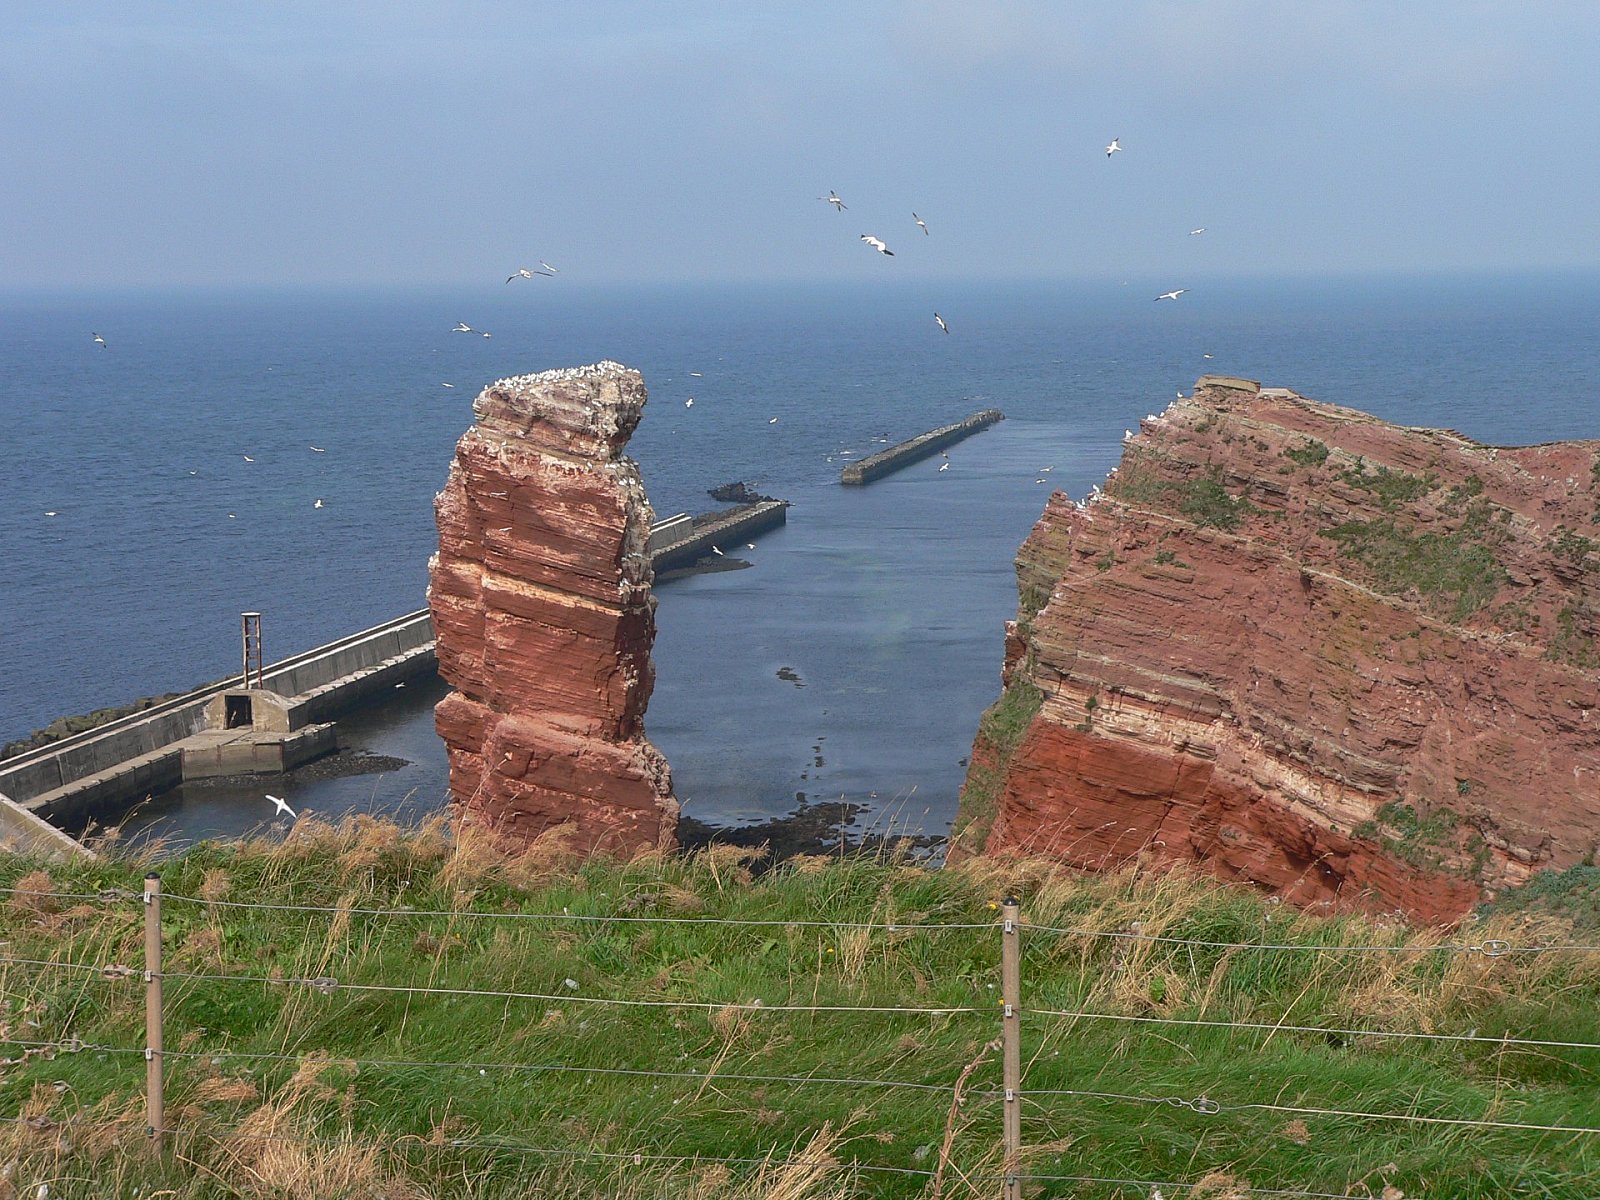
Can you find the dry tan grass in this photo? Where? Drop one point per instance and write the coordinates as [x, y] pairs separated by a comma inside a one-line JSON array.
[[30, 898]]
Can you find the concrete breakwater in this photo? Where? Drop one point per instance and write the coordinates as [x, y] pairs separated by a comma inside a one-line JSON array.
[[682, 540], [875, 466], [224, 728]]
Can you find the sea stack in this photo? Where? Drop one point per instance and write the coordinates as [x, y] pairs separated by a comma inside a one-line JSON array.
[[1351, 662], [542, 606]]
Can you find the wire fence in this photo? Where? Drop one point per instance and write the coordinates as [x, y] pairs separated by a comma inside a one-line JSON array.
[[1013, 1097]]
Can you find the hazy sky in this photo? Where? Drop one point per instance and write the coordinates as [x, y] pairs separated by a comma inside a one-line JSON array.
[[392, 142]]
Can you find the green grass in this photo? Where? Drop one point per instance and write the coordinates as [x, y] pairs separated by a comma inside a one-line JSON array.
[[1310, 453], [329, 1120], [1454, 573]]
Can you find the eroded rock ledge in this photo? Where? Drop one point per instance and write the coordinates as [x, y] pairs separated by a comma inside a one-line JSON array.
[[541, 601], [1352, 662]]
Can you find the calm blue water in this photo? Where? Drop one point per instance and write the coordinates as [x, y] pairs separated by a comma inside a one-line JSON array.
[[888, 602]]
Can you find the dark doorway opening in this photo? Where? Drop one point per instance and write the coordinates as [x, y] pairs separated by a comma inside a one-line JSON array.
[[236, 712]]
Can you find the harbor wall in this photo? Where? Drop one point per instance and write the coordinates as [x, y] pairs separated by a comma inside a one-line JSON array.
[[876, 466]]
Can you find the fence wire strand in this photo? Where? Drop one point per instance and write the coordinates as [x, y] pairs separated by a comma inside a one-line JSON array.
[[1264, 1027], [588, 918], [563, 1068], [330, 985]]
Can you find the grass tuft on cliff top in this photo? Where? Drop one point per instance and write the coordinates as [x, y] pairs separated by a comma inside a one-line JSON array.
[[332, 1108]]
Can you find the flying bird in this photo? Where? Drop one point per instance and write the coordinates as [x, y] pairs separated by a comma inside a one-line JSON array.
[[1172, 295], [316, 503], [318, 450], [463, 327], [524, 273], [280, 807], [772, 420], [833, 198], [51, 513], [481, 333], [877, 243], [944, 466], [717, 552], [99, 341], [546, 266], [942, 325], [921, 224], [1197, 232], [696, 374], [1116, 144], [448, 385], [689, 403], [247, 458], [749, 545]]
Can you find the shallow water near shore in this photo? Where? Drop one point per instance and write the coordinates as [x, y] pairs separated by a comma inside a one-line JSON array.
[[849, 662]]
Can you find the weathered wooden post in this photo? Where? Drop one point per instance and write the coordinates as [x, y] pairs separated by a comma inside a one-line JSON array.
[[1011, 1043], [155, 1100]]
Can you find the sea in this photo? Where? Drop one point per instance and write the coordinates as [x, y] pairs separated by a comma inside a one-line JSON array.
[[153, 489]]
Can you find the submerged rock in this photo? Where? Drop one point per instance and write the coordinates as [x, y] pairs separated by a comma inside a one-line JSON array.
[[1351, 662]]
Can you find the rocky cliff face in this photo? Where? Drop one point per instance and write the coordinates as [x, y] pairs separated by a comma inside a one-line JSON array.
[[541, 600], [1351, 662]]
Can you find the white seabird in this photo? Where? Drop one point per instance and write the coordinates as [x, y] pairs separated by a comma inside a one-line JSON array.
[[717, 552], [524, 273], [944, 466], [1116, 144], [280, 807], [689, 403], [921, 224], [772, 420], [942, 325], [463, 327], [546, 266], [877, 243], [247, 458], [318, 450], [1197, 232], [833, 198], [1127, 435], [317, 503], [1173, 294], [448, 385], [99, 341], [696, 374]]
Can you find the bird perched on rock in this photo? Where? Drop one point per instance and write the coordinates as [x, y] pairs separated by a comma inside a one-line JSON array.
[[878, 244]]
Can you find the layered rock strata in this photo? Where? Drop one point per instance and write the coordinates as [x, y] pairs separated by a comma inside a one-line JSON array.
[[541, 601], [1351, 662]]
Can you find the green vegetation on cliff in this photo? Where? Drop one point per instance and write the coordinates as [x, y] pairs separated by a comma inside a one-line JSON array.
[[1000, 732], [286, 1080]]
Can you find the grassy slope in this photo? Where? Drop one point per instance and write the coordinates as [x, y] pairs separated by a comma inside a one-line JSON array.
[[303, 1127]]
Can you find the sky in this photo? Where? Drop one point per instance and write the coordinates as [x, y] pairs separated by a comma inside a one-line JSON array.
[[401, 143]]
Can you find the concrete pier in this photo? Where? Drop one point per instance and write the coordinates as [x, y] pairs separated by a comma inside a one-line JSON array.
[[688, 542], [225, 728], [876, 466]]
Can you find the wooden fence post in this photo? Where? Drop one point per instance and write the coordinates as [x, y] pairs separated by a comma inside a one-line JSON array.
[[155, 1099], [1011, 1043]]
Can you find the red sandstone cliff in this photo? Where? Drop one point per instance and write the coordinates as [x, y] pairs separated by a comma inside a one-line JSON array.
[[1351, 662], [541, 601]]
